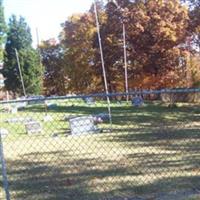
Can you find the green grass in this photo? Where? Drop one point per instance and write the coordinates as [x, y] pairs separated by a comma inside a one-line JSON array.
[[150, 150]]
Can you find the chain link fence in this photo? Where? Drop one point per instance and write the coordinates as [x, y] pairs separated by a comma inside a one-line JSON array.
[[72, 148]]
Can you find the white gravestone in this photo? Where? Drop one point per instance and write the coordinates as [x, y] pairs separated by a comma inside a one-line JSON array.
[[83, 125], [33, 127], [3, 132]]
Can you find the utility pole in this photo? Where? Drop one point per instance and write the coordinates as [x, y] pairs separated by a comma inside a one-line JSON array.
[[20, 72], [125, 52], [102, 63], [37, 37], [38, 45], [125, 62]]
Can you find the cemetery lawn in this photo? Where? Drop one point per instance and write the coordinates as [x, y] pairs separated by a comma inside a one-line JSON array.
[[150, 150]]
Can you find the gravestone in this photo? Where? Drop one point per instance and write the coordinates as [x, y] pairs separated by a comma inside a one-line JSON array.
[[83, 125], [21, 105], [14, 110], [33, 127], [137, 101], [19, 120], [101, 117], [48, 118], [51, 105], [89, 100], [3, 132]]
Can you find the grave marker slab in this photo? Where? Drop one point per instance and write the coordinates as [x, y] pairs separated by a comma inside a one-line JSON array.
[[21, 105], [48, 118], [14, 110], [3, 132], [19, 120], [83, 125], [52, 105], [89, 100], [137, 101], [33, 127]]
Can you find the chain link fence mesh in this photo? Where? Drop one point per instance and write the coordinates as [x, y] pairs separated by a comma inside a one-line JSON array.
[[66, 147]]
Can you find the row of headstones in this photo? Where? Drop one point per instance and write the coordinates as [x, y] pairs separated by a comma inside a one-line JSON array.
[[78, 125], [30, 126], [19, 106], [136, 101]]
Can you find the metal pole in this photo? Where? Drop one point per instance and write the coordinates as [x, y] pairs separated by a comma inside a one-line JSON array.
[[125, 62], [125, 55], [38, 45], [4, 171], [18, 63], [37, 37], [102, 62]]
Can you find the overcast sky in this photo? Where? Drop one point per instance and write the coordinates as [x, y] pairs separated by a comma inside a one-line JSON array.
[[45, 15]]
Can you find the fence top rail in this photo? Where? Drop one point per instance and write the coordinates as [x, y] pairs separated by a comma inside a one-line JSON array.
[[131, 93]]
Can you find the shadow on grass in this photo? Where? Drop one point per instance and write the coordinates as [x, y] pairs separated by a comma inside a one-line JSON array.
[[71, 181], [51, 183], [59, 175], [159, 157]]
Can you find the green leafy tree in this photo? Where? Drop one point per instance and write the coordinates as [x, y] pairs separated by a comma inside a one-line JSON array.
[[2, 30], [19, 38]]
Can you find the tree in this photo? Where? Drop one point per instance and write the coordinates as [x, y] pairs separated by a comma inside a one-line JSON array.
[[2, 30], [77, 41], [19, 38], [32, 70], [195, 21], [55, 80], [155, 29], [195, 70], [111, 35]]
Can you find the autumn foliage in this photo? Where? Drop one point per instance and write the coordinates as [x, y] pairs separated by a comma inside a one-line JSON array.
[[161, 40]]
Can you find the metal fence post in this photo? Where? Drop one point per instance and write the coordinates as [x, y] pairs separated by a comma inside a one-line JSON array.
[[4, 171]]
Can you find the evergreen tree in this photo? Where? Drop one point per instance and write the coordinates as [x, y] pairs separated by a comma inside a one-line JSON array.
[[2, 29], [19, 38]]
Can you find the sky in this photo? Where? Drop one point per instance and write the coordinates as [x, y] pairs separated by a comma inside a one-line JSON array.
[[45, 15]]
